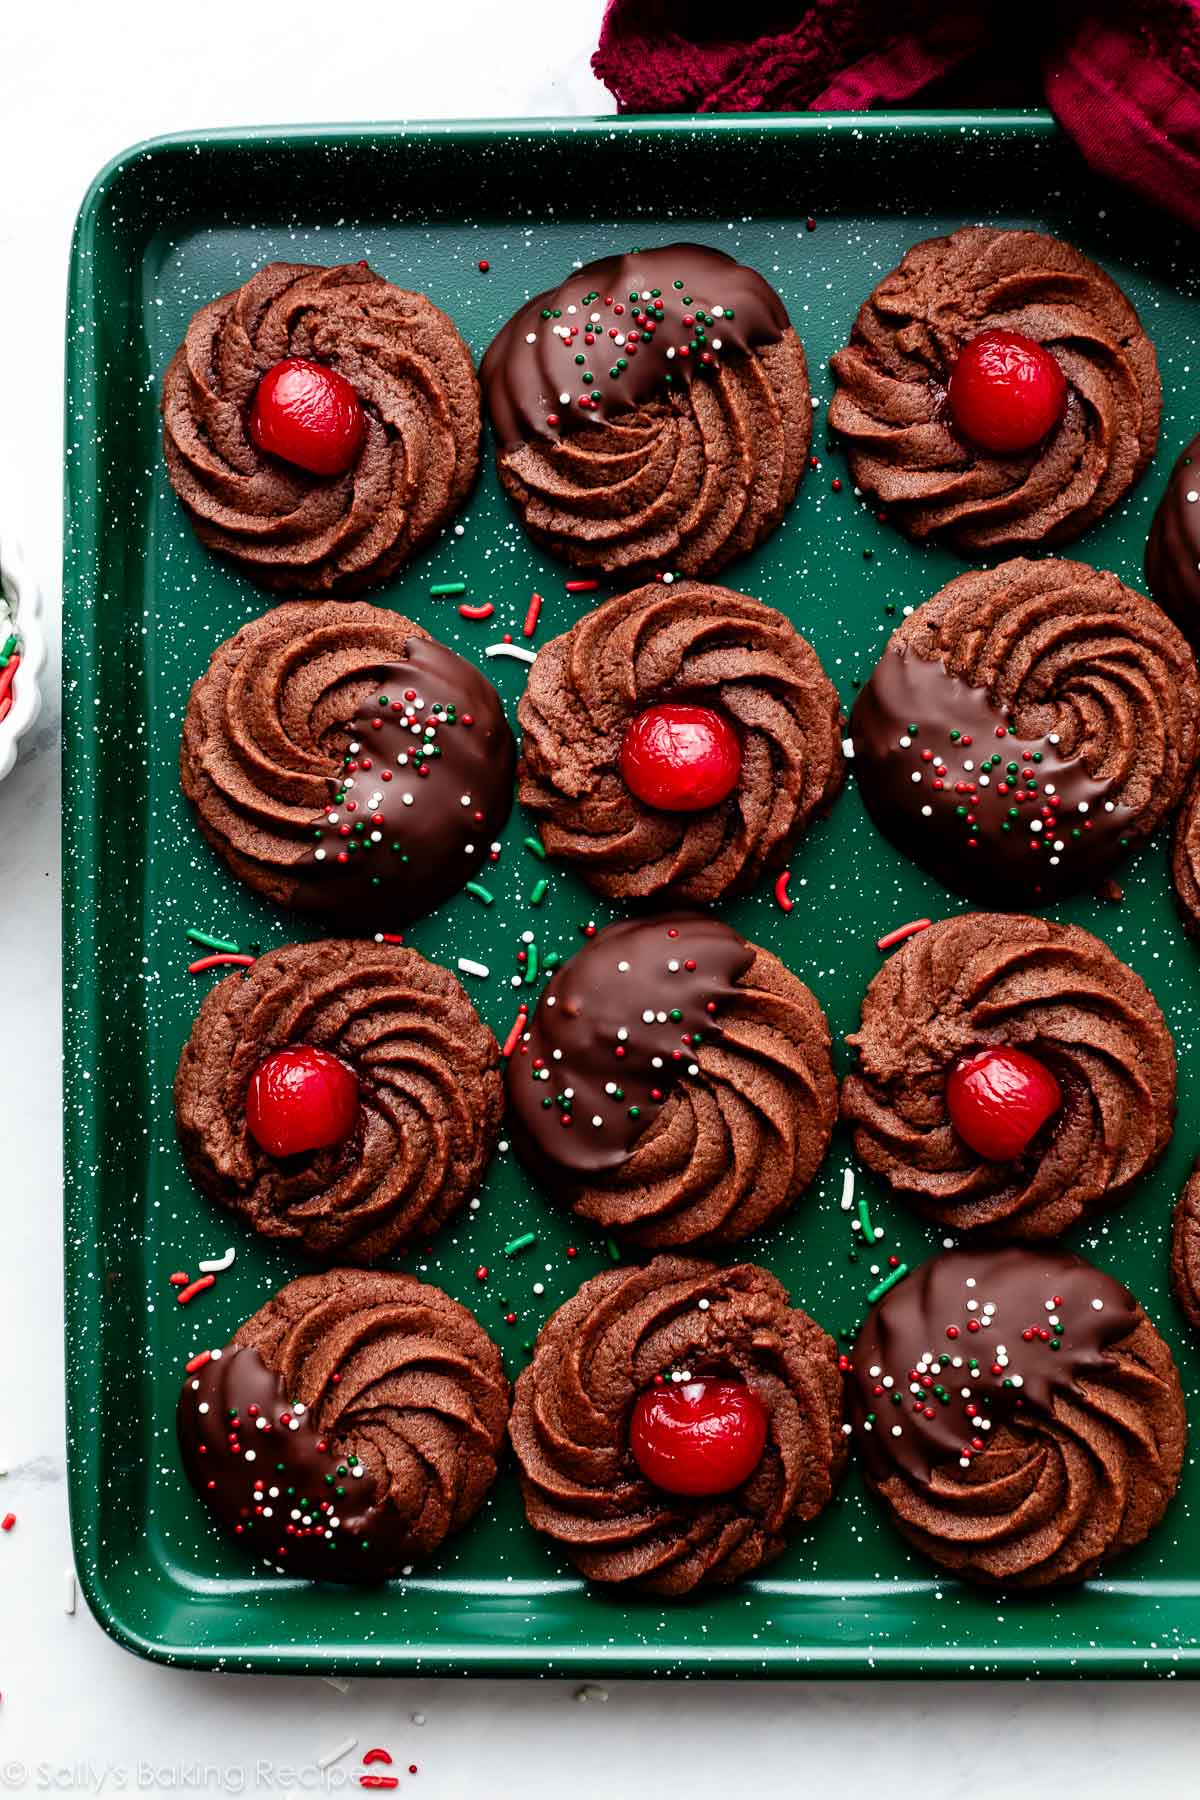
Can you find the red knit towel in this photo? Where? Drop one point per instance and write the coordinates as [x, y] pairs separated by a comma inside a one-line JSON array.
[[1122, 79]]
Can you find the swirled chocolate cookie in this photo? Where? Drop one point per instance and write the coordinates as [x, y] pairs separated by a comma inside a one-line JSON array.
[[676, 1424], [1185, 858], [341, 1096], [1018, 1415], [653, 411], [674, 1083], [1011, 1075], [320, 425], [1185, 1248], [344, 762], [349, 1427], [678, 740], [998, 391], [1173, 547], [1027, 728]]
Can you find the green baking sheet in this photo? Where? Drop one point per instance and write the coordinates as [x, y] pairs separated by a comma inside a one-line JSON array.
[[165, 228]]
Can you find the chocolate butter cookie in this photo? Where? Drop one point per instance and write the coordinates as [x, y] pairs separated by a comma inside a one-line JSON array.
[[1048, 1429], [674, 1083], [344, 762], [678, 740], [338, 1173], [1027, 728], [1051, 320], [1185, 1248], [1173, 547], [396, 440], [652, 411], [950, 1027], [349, 1427], [628, 1375]]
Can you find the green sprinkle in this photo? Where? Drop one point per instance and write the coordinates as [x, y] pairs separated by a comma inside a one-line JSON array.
[[613, 1248], [531, 966], [864, 1219], [9, 647], [534, 847], [552, 961], [517, 1244], [444, 589], [213, 943], [480, 892], [886, 1284], [539, 892]]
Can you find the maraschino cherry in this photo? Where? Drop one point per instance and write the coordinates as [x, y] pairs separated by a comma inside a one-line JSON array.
[[998, 1101], [301, 1099], [681, 758], [308, 415], [698, 1437], [1006, 392]]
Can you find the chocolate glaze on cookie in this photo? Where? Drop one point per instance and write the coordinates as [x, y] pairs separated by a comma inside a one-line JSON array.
[[1027, 728], [344, 762], [348, 1427], [1173, 547], [618, 1025], [674, 1083], [681, 296], [1018, 1413], [652, 412]]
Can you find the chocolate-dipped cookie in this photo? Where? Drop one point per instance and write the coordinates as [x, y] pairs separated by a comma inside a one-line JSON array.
[[1185, 857], [1026, 729], [622, 1380], [1185, 1248], [931, 1112], [678, 740], [674, 1083], [652, 411], [1051, 320], [269, 1129], [1018, 1415], [347, 1428], [344, 762], [1173, 546], [396, 438]]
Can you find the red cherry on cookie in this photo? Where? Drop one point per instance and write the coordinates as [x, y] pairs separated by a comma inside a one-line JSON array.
[[681, 758], [309, 415], [998, 1101], [698, 1437], [301, 1099], [1006, 392]]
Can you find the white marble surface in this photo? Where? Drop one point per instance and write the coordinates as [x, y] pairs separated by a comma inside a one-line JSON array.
[[78, 1714]]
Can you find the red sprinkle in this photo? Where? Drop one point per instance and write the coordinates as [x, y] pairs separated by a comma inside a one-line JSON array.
[[196, 1287], [14, 663], [476, 612], [179, 1279], [481, 1272], [514, 1036], [374, 1756], [380, 1781], [392, 937], [8, 1521], [531, 617], [218, 962], [901, 932], [582, 587], [781, 893], [484, 265], [198, 1362]]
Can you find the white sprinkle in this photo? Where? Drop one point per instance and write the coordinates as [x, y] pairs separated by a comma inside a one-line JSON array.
[[906, 743], [336, 1754], [916, 774], [897, 1431], [215, 1357], [531, 337], [847, 1189], [1097, 1306], [597, 1120], [704, 1305], [670, 355], [623, 968], [408, 799], [517, 650], [1035, 824], [848, 748], [69, 1590], [539, 1287], [1017, 1381], [252, 1456], [203, 1406], [1191, 496], [318, 856], [927, 812], [564, 399], [468, 967], [648, 1017]]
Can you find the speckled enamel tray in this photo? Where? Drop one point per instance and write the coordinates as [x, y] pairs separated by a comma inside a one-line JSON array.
[[170, 225]]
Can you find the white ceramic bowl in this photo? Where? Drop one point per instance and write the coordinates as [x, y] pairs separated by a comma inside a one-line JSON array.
[[25, 604]]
